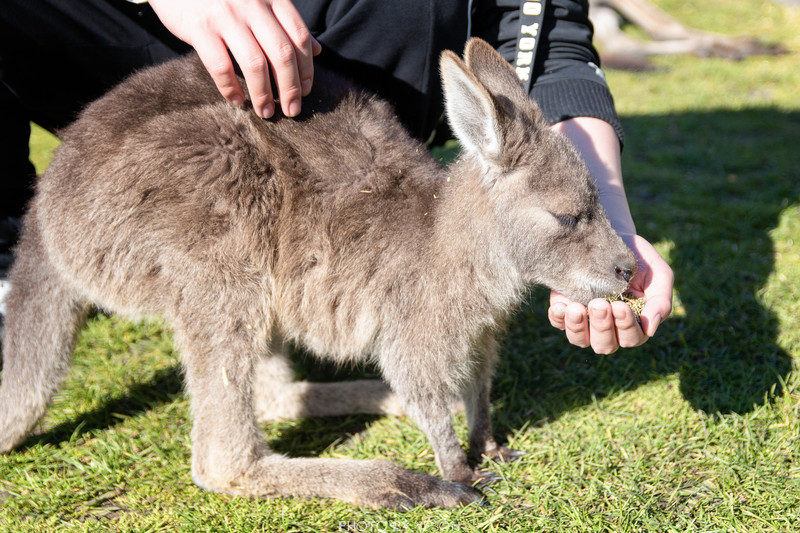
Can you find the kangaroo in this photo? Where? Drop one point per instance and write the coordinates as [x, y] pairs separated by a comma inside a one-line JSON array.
[[670, 37], [335, 230]]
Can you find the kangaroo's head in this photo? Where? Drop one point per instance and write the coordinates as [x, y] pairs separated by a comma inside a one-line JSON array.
[[544, 203]]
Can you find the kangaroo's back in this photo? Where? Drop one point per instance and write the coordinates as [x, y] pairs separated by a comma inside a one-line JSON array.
[[164, 159]]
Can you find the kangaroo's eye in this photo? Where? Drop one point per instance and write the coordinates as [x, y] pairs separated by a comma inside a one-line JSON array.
[[568, 221]]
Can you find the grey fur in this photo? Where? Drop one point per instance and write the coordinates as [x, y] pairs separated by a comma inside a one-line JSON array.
[[335, 231]]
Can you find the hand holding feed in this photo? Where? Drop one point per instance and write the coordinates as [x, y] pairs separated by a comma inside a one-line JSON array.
[[605, 326]]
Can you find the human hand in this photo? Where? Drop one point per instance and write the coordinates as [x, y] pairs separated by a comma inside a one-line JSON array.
[[265, 37], [606, 326]]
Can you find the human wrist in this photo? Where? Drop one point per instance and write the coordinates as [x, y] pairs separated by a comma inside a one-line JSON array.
[[615, 204]]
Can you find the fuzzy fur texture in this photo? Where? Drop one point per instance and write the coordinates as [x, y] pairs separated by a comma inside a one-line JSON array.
[[335, 231]]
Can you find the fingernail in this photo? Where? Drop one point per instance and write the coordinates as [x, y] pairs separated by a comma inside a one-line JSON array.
[[558, 310], [268, 110], [294, 108], [306, 87], [237, 101]]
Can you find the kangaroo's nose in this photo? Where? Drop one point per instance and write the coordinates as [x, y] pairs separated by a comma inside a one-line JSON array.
[[624, 272]]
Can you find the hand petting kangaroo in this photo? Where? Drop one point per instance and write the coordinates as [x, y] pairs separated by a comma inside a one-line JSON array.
[[335, 231]]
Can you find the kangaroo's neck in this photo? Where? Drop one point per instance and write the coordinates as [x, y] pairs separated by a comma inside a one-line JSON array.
[[467, 248]]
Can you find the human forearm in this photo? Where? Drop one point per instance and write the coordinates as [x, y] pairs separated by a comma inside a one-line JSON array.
[[598, 144]]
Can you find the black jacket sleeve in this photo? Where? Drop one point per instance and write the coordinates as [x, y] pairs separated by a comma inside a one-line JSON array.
[[567, 80]]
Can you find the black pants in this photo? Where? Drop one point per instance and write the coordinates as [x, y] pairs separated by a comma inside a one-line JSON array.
[[58, 55]]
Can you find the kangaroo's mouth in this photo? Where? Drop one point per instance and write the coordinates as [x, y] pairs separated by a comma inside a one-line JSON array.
[[594, 289], [606, 289]]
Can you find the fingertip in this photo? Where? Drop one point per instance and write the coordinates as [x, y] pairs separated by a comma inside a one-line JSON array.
[[558, 298], [232, 93], [267, 111], [217, 62], [558, 310], [599, 309], [622, 311], [574, 315], [598, 313]]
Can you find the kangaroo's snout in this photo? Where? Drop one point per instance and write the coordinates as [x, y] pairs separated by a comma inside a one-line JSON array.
[[625, 267], [608, 276]]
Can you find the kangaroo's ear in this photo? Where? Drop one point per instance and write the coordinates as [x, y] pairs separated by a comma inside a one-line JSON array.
[[474, 115], [493, 71]]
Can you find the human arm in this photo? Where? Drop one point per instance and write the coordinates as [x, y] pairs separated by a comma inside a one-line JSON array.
[[606, 326], [265, 37]]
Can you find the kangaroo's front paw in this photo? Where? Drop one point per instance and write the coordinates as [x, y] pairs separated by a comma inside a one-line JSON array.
[[481, 478]]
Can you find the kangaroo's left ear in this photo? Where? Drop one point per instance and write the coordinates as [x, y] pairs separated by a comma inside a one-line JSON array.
[[493, 71], [475, 116]]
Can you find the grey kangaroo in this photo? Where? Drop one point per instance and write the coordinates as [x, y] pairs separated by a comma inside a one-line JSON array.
[[335, 231]]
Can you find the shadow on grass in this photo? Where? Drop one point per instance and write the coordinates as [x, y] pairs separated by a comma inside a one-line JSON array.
[[714, 184], [166, 386], [310, 437]]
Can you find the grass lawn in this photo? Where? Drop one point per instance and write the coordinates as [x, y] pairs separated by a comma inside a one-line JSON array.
[[698, 430]]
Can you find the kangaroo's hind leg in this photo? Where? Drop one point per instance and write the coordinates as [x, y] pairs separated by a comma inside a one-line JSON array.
[[43, 318]]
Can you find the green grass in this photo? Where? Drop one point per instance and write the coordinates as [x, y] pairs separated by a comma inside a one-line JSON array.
[[698, 430]]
